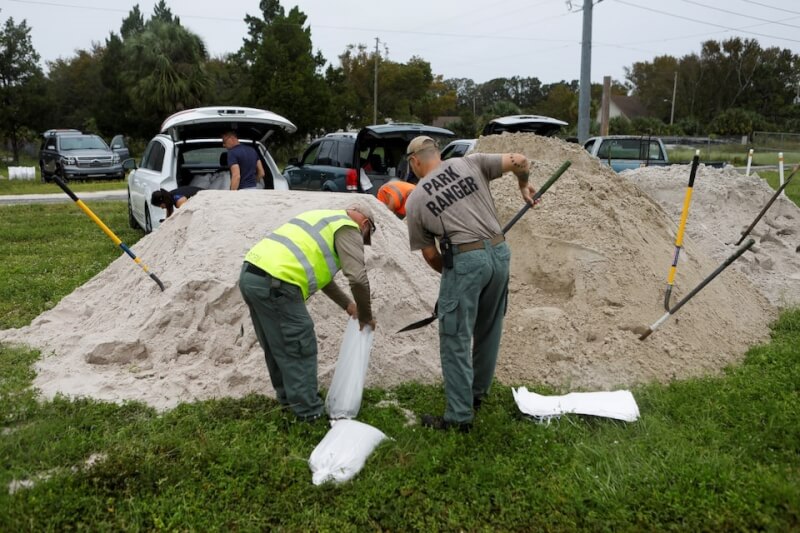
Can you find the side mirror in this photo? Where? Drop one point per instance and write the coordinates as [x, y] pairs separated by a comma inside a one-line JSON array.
[[294, 162], [129, 164]]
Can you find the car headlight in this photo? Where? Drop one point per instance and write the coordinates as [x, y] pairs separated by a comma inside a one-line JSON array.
[[68, 160], [115, 159]]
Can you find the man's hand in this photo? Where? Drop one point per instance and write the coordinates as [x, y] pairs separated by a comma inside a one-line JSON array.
[[352, 310], [371, 324], [528, 191]]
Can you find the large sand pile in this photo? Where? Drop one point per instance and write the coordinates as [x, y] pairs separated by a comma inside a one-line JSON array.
[[588, 266], [725, 203]]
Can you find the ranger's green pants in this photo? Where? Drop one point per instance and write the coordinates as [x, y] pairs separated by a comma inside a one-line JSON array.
[[286, 333], [472, 303]]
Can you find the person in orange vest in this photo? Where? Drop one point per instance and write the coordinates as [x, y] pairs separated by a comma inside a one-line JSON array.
[[394, 194]]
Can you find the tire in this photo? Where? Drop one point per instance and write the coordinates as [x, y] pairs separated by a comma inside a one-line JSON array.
[[131, 219], [45, 178], [148, 222]]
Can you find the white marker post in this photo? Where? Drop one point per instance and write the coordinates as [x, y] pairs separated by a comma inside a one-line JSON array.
[[749, 161], [780, 171]]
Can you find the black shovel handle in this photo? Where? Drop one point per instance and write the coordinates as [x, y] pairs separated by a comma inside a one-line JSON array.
[[543, 189], [746, 232]]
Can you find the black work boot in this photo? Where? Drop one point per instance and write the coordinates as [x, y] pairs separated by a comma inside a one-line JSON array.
[[476, 403], [438, 422]]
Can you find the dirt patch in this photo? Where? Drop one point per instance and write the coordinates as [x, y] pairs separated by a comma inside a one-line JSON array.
[[588, 268]]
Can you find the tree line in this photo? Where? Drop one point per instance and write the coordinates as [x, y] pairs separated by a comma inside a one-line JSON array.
[[154, 66]]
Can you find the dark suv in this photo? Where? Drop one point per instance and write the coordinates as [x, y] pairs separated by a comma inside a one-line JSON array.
[[334, 162], [71, 154]]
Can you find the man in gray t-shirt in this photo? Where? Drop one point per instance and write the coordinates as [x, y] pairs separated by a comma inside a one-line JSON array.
[[452, 203]]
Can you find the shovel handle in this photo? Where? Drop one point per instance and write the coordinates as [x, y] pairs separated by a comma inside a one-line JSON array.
[[543, 189]]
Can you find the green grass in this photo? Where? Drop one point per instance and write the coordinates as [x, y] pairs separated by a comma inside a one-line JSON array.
[[713, 454], [792, 190], [736, 155], [48, 250]]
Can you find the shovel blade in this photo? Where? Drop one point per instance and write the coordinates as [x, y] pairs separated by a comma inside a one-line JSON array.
[[419, 324]]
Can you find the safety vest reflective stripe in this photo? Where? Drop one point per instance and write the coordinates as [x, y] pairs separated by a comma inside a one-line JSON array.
[[301, 251], [315, 232], [395, 189], [301, 257]]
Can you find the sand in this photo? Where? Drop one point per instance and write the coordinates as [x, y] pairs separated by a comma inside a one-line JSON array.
[[588, 268], [724, 204]]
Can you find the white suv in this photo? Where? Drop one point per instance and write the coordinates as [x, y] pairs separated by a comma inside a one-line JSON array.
[[189, 151]]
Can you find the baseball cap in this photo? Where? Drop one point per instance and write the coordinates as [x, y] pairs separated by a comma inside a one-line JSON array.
[[365, 210], [418, 144]]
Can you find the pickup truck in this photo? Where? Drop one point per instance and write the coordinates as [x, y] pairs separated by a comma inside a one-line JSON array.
[[623, 152]]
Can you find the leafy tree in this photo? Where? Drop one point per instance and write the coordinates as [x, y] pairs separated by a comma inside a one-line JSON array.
[[283, 72], [133, 23], [163, 70], [19, 75], [163, 13], [70, 81], [561, 103]]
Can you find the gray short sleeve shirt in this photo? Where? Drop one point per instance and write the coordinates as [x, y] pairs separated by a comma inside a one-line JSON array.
[[455, 197]]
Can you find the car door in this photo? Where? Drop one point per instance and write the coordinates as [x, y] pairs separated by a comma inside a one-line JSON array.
[[300, 174], [326, 165], [146, 179]]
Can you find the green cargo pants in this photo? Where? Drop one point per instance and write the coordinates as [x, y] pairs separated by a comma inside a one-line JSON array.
[[286, 333], [472, 303]]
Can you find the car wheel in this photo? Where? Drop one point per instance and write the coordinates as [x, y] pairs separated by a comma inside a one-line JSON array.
[[148, 222], [131, 219]]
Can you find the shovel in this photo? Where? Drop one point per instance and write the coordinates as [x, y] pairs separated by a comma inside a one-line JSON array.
[[557, 174]]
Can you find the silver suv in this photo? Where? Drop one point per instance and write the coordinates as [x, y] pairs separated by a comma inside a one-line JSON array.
[[71, 154]]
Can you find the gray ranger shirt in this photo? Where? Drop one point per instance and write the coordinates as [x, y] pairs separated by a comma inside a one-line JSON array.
[[455, 196]]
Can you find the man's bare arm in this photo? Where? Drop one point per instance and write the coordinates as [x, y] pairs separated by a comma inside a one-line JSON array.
[[433, 258]]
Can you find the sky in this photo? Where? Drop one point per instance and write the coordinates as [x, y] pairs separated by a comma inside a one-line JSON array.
[[480, 40]]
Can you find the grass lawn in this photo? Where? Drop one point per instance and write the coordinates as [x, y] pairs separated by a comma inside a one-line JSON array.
[[36, 186], [736, 155], [714, 454]]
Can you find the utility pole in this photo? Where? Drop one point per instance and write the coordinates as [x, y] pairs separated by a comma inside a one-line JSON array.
[[375, 89], [674, 90], [604, 106], [585, 94]]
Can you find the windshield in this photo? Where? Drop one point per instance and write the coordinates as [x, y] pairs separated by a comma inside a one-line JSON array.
[[83, 142]]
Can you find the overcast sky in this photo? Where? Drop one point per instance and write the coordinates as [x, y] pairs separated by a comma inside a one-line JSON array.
[[473, 39]]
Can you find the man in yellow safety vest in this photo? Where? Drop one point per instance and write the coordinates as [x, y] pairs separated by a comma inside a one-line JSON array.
[[282, 271]]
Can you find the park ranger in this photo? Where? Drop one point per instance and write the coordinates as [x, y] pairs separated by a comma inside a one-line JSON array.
[[452, 204]]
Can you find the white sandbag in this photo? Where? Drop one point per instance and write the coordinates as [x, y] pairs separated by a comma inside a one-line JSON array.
[[616, 404], [220, 181], [347, 386], [21, 173], [344, 450]]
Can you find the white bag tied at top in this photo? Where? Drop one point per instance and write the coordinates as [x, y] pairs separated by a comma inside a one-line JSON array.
[[344, 450], [347, 386]]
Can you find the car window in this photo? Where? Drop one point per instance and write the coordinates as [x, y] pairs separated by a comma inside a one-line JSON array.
[[118, 142], [655, 151], [589, 145], [310, 155], [326, 153], [203, 156], [603, 151], [154, 156], [448, 152], [345, 156]]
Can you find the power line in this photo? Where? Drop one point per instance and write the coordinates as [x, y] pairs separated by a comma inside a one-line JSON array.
[[771, 7], [704, 22], [740, 14]]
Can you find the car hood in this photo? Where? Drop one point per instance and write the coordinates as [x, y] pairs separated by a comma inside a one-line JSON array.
[[88, 153], [212, 122]]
